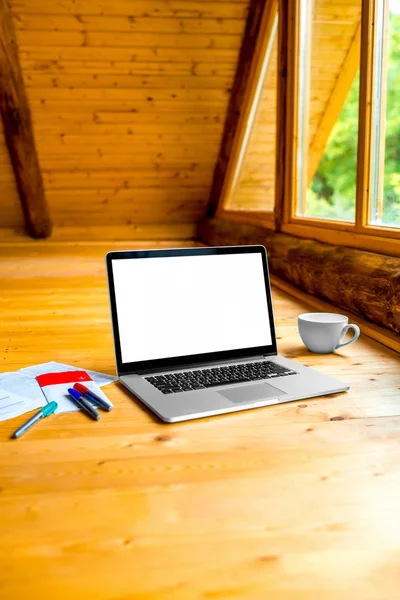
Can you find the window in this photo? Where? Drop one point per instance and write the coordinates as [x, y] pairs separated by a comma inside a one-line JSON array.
[[329, 51], [346, 133], [255, 186], [385, 202], [249, 185], [338, 135], [331, 191]]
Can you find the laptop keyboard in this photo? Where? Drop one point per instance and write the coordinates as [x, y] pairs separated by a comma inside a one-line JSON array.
[[185, 381]]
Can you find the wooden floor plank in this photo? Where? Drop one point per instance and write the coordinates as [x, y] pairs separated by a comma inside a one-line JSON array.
[[293, 502]]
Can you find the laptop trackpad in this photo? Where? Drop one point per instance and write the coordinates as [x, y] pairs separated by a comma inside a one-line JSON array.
[[247, 393]]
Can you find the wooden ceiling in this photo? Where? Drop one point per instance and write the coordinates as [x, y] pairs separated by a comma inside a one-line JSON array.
[[129, 100]]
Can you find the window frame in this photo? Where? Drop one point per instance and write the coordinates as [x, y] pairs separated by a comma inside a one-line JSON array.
[[246, 120], [360, 234]]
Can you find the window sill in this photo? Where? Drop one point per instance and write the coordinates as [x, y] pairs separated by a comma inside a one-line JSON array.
[[372, 239]]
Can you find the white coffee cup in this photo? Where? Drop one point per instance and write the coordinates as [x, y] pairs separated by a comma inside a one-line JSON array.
[[323, 332]]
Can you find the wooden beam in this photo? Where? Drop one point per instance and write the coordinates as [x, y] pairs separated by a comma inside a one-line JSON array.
[[236, 102], [282, 91], [365, 114], [362, 282], [380, 50], [18, 131], [250, 104], [287, 134], [335, 104], [285, 110]]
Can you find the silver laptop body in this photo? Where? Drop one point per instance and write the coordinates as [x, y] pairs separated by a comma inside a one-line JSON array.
[[194, 333]]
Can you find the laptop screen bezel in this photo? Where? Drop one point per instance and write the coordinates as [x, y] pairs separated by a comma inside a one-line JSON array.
[[182, 361]]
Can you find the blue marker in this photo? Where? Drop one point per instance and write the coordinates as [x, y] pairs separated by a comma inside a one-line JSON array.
[[83, 403], [106, 404]]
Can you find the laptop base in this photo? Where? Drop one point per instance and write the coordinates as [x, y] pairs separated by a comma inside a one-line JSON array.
[[184, 406]]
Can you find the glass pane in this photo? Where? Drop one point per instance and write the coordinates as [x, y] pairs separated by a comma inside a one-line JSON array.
[[255, 186], [385, 206], [329, 98]]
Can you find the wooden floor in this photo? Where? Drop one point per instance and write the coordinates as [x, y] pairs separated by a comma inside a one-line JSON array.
[[299, 501]]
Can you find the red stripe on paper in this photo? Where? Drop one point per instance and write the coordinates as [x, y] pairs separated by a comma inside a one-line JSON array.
[[64, 377]]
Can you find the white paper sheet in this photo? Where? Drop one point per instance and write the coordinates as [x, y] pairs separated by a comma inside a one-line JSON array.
[[59, 393], [11, 405], [23, 385], [100, 379], [21, 393]]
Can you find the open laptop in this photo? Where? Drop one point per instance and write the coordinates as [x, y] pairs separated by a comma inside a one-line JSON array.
[[194, 333]]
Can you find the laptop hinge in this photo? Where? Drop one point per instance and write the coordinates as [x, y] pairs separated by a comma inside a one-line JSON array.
[[187, 366]]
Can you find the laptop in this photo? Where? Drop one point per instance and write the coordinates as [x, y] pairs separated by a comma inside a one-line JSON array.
[[194, 333]]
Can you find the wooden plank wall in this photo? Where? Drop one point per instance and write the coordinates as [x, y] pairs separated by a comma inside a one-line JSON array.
[[334, 26], [11, 215], [128, 101]]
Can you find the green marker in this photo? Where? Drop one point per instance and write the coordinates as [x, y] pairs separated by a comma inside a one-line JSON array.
[[43, 412]]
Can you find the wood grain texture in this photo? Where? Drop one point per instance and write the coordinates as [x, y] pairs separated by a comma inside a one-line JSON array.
[[293, 502], [18, 131], [11, 214], [285, 89], [333, 47], [236, 104], [331, 33], [241, 188], [373, 239], [364, 282], [366, 112], [207, 9], [375, 332], [159, 232], [256, 187], [128, 24], [129, 86]]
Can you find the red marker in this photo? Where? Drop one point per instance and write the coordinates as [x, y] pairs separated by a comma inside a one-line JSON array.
[[93, 397]]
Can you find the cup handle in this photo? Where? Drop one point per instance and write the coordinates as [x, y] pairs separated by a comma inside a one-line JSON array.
[[355, 337]]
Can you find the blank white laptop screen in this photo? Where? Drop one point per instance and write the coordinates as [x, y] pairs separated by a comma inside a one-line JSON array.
[[178, 306]]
